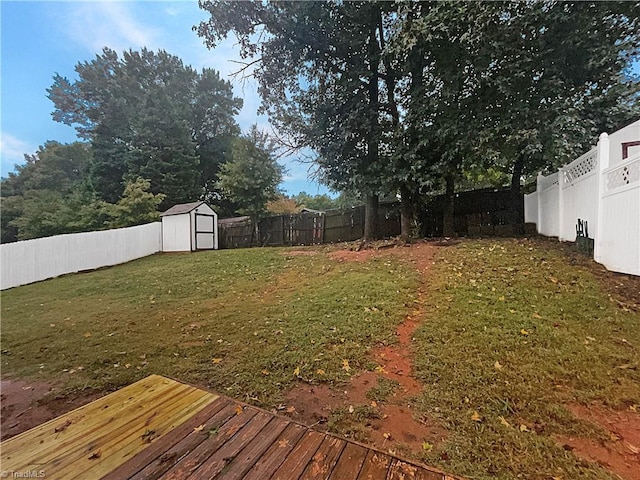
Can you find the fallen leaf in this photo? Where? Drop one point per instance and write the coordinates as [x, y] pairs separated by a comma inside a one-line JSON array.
[[476, 417], [320, 371], [524, 428], [524, 332], [380, 369], [345, 365], [95, 455], [501, 298], [199, 428], [87, 335], [239, 410], [351, 409], [296, 371], [426, 446], [283, 443], [374, 404], [217, 360], [553, 279], [497, 365], [504, 422], [387, 436], [212, 432], [633, 408], [265, 372], [536, 315], [291, 409]]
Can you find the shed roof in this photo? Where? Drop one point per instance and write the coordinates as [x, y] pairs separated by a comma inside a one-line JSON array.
[[181, 208]]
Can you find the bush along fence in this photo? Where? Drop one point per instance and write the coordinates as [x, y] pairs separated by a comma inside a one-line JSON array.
[[596, 196], [307, 228]]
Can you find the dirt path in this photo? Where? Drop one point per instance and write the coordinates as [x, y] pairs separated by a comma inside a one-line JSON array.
[[392, 425]]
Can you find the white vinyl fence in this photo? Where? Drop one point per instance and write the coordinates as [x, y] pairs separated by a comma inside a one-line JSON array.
[[603, 189], [33, 260]]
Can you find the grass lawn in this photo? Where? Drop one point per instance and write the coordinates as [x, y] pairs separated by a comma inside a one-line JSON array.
[[513, 331], [246, 323]]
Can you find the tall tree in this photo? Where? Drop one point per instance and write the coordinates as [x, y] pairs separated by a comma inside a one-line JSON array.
[[44, 195], [251, 178], [147, 114], [320, 75]]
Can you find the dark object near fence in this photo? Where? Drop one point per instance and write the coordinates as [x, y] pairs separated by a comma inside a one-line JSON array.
[[477, 213], [584, 243], [307, 228]]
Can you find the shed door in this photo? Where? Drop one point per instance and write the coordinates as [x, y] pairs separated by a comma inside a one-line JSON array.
[[205, 231]]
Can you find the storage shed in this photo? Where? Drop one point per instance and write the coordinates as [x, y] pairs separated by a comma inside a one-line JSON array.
[[189, 227]]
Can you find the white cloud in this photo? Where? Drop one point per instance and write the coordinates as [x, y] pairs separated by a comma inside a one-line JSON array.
[[12, 151], [111, 24]]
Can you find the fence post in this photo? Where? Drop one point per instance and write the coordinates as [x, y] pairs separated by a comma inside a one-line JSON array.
[[603, 164], [539, 199], [560, 203]]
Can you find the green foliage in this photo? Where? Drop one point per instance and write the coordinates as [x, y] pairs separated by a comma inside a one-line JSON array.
[[251, 178], [48, 195], [315, 202], [146, 114], [397, 96], [136, 207]]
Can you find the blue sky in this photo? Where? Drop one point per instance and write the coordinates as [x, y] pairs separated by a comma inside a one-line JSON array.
[[41, 38]]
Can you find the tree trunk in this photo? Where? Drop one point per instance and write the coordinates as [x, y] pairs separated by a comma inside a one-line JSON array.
[[371, 218], [516, 207], [406, 214], [448, 220]]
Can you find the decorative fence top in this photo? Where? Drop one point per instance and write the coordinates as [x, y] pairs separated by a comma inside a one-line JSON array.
[[581, 166], [623, 175]]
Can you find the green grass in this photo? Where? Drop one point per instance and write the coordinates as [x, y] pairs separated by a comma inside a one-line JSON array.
[[514, 332], [384, 389], [247, 323]]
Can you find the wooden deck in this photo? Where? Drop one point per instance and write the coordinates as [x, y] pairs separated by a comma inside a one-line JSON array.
[[160, 428]]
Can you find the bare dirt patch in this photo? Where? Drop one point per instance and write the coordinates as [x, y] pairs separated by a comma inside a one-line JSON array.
[[621, 452], [395, 426], [26, 404]]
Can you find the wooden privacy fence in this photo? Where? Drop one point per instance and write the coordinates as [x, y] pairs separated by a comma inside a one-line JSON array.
[[307, 228]]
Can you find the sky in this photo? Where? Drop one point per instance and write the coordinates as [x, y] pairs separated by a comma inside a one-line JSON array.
[[42, 38]]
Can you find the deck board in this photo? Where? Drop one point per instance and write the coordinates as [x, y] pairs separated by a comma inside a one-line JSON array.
[[161, 428]]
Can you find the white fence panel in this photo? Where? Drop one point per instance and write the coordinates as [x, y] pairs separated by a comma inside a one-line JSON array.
[[549, 198], [619, 232], [531, 208], [34, 260], [579, 196]]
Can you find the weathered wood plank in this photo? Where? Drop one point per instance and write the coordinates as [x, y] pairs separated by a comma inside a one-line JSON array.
[[277, 453], [176, 452], [375, 466], [76, 422], [350, 462], [246, 459], [324, 459], [188, 464], [224, 456], [115, 446], [160, 446], [299, 457]]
